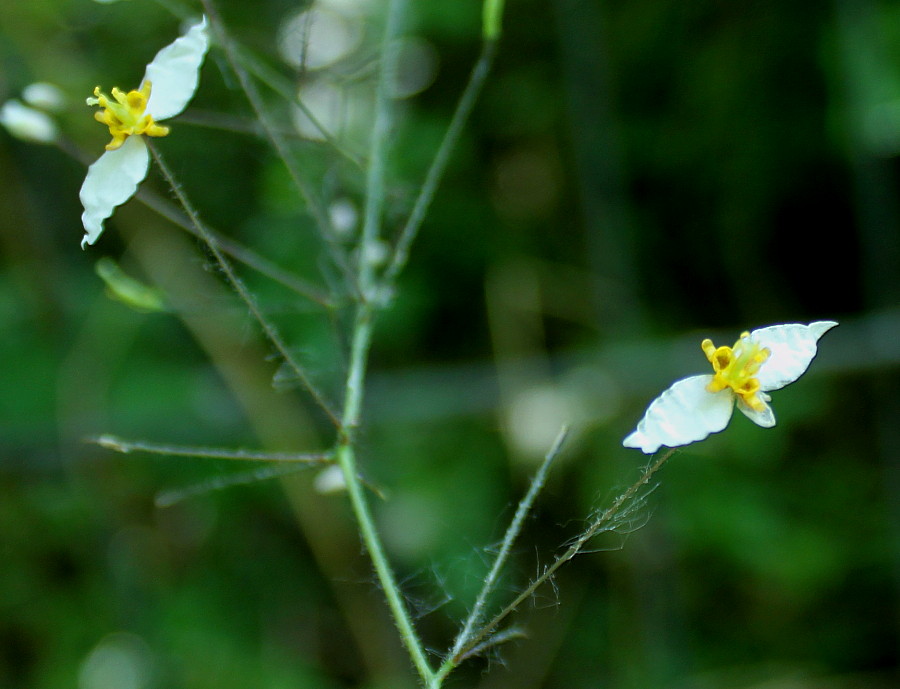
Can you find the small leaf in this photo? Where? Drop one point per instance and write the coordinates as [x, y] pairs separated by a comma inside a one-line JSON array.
[[124, 288]]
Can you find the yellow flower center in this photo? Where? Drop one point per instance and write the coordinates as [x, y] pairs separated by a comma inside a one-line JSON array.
[[125, 114], [735, 368]]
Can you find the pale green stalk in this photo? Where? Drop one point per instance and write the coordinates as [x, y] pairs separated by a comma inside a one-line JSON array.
[[111, 442], [492, 14], [359, 353]]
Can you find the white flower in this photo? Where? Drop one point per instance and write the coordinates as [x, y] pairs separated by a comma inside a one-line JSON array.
[[760, 362], [167, 87], [27, 123]]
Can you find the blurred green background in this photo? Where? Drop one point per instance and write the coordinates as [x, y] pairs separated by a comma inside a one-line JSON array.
[[635, 177]]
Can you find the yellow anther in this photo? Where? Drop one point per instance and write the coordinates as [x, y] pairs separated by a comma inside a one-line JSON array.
[[125, 114], [736, 368]]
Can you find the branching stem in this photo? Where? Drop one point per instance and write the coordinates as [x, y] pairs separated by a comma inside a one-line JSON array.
[[315, 207], [512, 533], [600, 522]]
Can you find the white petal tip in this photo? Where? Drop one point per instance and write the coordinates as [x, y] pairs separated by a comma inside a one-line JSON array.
[[175, 72], [637, 441], [819, 328]]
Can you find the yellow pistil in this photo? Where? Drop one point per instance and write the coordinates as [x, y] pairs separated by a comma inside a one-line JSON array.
[[735, 368], [125, 115]]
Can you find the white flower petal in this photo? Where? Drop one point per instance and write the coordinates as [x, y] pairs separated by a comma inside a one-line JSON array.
[[792, 348], [175, 72], [683, 414], [27, 123], [110, 182], [764, 418]]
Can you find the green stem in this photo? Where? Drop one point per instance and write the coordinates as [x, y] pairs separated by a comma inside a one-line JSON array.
[[492, 14], [439, 164], [346, 458], [359, 354], [602, 521], [111, 442], [239, 286], [315, 208], [377, 146], [512, 533]]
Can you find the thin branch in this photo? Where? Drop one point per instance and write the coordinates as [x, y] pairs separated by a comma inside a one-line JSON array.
[[171, 497], [318, 212], [377, 149], [236, 250], [512, 533], [111, 442], [283, 86], [439, 164], [238, 285], [477, 639]]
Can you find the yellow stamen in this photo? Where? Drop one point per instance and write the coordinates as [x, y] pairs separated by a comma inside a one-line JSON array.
[[125, 114], [735, 368]]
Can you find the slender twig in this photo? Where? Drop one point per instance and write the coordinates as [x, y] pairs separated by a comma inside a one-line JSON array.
[[439, 164], [239, 287], [512, 533], [316, 209], [288, 90], [599, 523], [234, 124], [170, 497], [111, 442], [377, 148], [236, 250]]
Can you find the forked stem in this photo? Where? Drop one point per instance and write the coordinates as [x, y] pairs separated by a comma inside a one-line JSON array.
[[477, 640]]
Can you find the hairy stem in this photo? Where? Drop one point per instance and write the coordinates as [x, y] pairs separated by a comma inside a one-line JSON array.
[[512, 533], [316, 209], [599, 523], [346, 458], [228, 270], [359, 354], [111, 442]]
